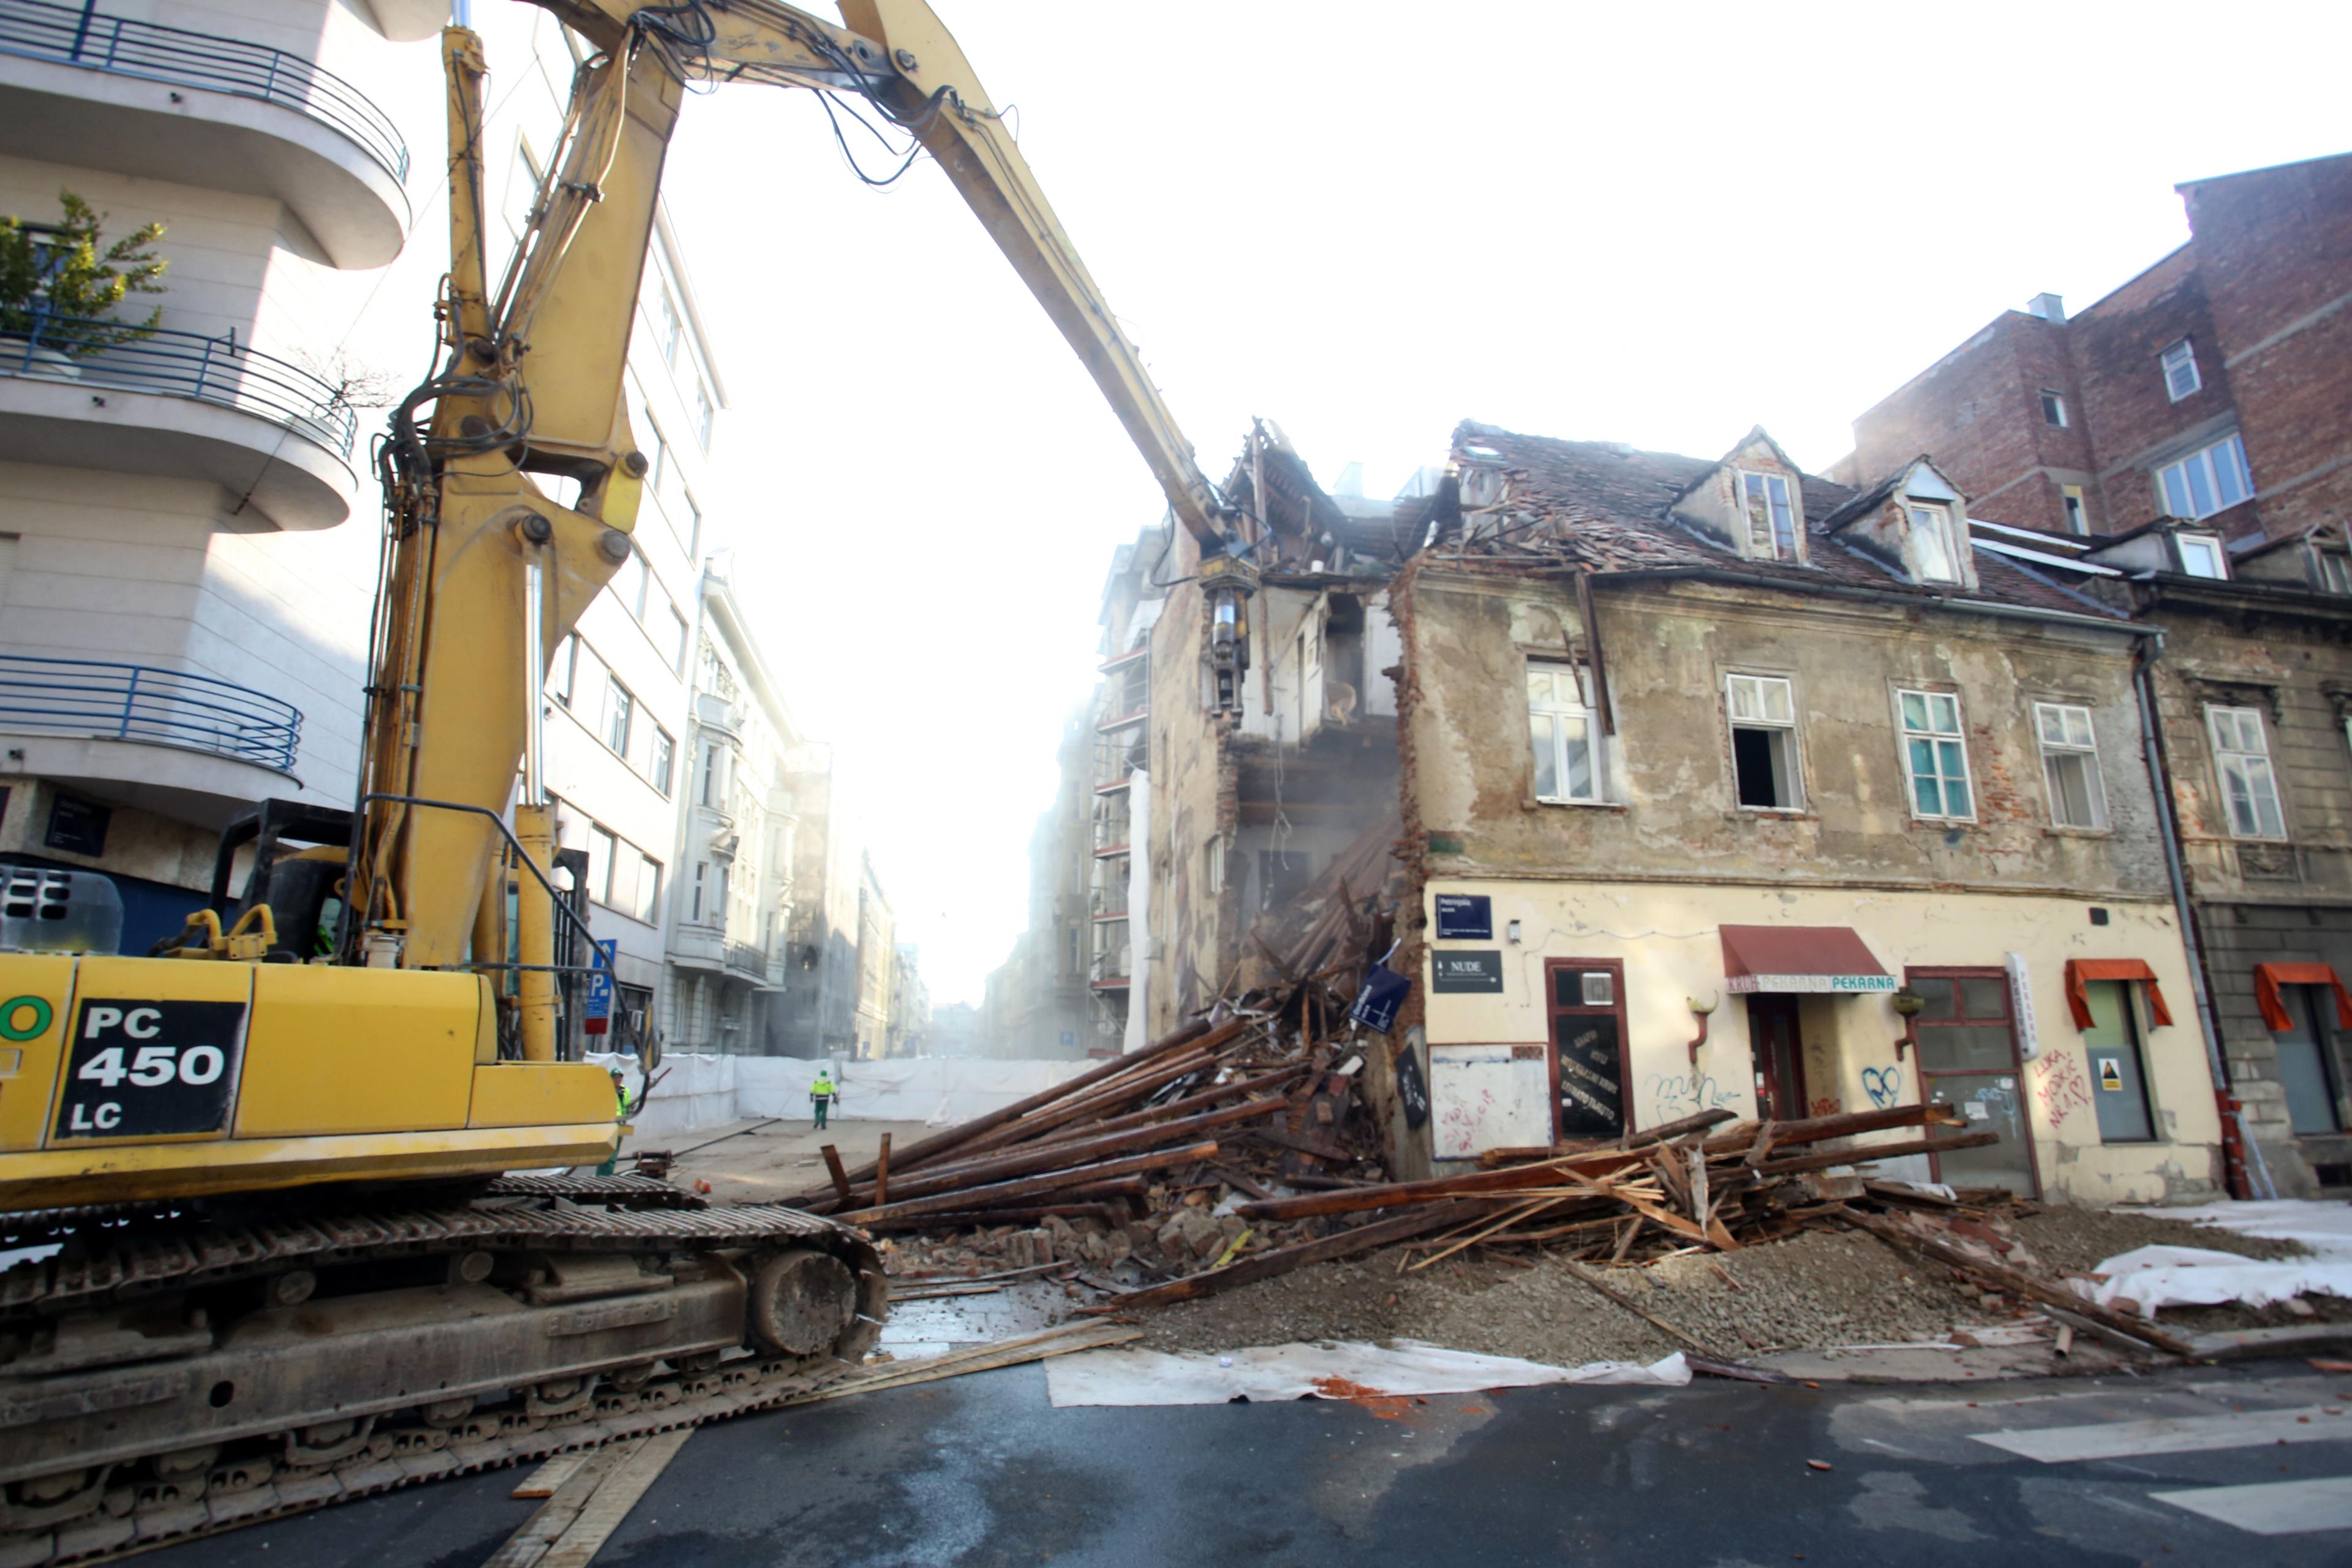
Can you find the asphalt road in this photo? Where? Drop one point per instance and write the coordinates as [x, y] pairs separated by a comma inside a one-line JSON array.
[[981, 1471]]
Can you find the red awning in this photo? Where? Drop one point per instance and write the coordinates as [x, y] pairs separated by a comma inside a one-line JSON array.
[[2269, 977], [1801, 958], [2080, 971]]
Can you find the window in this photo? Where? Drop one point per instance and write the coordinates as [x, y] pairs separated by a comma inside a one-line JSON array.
[[2202, 556], [2078, 514], [701, 876], [647, 906], [668, 328], [1559, 725], [1772, 515], [658, 764], [678, 636], [601, 845], [620, 710], [2054, 409], [629, 585], [711, 794], [1763, 742], [2334, 572], [1212, 863], [2180, 363], [2069, 765], [1935, 757], [657, 458], [1931, 542], [686, 522], [561, 671], [2242, 756], [2202, 483], [706, 414]]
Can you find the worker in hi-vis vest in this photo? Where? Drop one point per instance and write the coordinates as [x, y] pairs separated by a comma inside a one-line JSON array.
[[620, 1113], [821, 1094]]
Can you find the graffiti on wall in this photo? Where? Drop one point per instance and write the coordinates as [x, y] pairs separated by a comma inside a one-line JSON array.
[[1826, 1105], [1669, 1096], [1883, 1085], [2064, 1088]]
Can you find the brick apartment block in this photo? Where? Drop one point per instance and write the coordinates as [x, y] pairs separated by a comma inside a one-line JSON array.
[[2252, 313]]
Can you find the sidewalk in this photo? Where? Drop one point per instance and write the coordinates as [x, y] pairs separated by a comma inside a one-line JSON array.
[[749, 1161]]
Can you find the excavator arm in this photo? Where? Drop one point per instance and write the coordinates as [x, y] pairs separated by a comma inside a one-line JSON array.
[[487, 569]]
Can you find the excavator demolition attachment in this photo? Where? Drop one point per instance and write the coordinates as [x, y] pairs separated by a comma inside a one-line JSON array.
[[264, 1247]]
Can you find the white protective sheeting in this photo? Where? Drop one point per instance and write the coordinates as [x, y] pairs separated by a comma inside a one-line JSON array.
[[2324, 1227], [936, 1090], [2157, 1277], [711, 1090], [1329, 1369], [698, 1092]]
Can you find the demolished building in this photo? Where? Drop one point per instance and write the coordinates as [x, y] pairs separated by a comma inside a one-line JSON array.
[[1681, 785]]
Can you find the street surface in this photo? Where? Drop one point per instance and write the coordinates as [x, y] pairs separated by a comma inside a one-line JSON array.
[[762, 1164], [2202, 1466]]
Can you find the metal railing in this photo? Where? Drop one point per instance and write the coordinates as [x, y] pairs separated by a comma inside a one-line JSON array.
[[747, 958], [130, 358], [85, 36], [140, 703]]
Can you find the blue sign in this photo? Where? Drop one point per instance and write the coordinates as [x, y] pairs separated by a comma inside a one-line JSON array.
[[600, 984], [1465, 917], [1376, 1006]]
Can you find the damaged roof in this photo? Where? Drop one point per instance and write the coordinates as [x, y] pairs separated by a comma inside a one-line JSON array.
[[1606, 505]]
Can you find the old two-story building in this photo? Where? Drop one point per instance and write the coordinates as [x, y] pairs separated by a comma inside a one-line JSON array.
[[2178, 450], [1728, 787]]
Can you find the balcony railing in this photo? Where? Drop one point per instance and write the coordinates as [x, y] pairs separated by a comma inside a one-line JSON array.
[[85, 36], [127, 358], [138, 702], [747, 958]]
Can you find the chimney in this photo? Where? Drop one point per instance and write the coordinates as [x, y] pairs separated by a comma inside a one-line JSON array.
[[2050, 308]]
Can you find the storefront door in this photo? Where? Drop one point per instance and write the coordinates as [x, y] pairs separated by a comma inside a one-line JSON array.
[[1780, 1057], [1967, 1051], [2307, 1067], [1588, 1034]]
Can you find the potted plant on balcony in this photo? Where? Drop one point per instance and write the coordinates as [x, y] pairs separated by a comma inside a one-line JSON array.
[[59, 290]]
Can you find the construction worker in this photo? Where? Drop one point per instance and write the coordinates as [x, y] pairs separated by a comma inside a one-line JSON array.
[[821, 1094], [620, 1113]]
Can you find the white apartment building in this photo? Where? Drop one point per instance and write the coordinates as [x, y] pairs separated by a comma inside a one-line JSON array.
[[188, 526], [188, 522], [737, 840]]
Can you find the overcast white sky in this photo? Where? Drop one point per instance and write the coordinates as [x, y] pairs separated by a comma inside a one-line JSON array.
[[1656, 224]]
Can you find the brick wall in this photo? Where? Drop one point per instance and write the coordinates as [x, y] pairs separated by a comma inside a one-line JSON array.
[[2264, 292], [2274, 248]]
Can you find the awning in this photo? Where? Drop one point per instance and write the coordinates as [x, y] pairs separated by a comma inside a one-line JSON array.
[[2081, 971], [1800, 958], [2269, 977]]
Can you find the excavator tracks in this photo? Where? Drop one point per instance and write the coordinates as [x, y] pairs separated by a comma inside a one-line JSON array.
[[712, 1281]]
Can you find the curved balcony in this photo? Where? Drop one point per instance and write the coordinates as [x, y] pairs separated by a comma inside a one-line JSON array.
[[81, 86], [76, 393], [191, 747]]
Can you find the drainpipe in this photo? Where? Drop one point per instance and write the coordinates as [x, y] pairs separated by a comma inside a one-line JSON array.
[[2235, 1140]]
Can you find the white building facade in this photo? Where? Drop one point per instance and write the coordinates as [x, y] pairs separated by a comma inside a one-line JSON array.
[[737, 840], [187, 523]]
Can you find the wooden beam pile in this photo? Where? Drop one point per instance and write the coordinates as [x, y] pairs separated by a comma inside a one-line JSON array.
[[1128, 1158]]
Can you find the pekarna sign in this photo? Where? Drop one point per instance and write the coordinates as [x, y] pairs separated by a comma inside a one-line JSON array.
[[1835, 984]]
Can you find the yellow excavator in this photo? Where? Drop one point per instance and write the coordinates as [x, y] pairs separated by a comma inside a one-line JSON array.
[[271, 1251]]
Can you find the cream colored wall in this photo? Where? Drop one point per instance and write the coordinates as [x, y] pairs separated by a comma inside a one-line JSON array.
[[1668, 939]]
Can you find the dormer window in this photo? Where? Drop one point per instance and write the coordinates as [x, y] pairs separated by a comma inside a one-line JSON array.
[[1772, 515], [1931, 541], [2202, 556], [2334, 572]]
